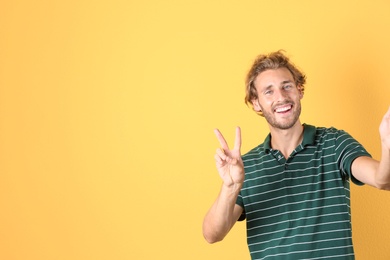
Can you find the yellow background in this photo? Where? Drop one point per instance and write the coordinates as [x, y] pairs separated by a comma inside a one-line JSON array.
[[107, 111]]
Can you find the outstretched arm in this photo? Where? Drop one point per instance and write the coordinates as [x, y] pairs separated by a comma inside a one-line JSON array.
[[370, 171], [224, 212]]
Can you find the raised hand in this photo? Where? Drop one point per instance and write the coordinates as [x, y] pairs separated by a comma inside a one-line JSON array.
[[384, 130], [228, 162]]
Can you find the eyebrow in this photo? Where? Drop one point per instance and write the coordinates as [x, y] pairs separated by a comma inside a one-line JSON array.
[[287, 81], [282, 83]]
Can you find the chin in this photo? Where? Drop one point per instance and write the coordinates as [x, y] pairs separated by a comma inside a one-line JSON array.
[[282, 125]]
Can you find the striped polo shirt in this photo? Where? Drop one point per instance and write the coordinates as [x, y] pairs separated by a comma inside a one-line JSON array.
[[299, 207]]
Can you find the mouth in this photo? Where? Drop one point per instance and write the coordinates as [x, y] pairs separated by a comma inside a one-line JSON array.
[[283, 109]]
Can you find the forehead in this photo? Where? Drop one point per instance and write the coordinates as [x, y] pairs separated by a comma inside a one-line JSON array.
[[273, 77]]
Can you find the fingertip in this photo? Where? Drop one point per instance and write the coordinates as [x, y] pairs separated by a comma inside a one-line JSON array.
[[388, 111]]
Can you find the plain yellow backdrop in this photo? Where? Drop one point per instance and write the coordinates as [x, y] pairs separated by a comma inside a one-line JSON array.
[[107, 111]]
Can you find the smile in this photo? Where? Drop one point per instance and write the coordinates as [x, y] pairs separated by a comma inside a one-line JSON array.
[[283, 109]]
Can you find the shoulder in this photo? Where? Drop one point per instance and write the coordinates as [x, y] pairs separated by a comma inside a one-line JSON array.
[[331, 137], [329, 132], [334, 133], [256, 156], [255, 152], [323, 137], [326, 130]]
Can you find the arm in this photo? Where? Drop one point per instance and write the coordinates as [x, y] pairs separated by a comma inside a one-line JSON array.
[[370, 171], [224, 213]]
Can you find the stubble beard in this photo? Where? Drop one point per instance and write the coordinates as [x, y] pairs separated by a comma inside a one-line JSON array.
[[285, 124]]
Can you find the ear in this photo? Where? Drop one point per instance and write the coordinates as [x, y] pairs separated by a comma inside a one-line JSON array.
[[300, 89], [256, 105]]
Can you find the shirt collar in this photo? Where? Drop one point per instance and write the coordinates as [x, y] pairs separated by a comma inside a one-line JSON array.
[[309, 136]]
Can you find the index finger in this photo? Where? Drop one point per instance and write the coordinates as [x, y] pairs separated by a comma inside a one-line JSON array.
[[221, 139], [237, 141]]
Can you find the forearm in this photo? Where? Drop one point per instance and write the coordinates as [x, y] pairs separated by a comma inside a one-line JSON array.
[[382, 176], [222, 215]]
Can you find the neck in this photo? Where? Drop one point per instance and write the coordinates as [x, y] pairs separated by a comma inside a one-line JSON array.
[[286, 140]]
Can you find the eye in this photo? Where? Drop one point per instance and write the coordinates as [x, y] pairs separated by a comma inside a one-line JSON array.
[[268, 92], [287, 86]]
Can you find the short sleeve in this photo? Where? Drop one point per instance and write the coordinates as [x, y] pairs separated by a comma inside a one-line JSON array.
[[347, 150], [240, 203]]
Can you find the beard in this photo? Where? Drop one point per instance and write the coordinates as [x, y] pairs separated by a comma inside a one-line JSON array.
[[285, 124]]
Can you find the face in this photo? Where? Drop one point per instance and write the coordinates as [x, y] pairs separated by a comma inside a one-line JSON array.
[[279, 99]]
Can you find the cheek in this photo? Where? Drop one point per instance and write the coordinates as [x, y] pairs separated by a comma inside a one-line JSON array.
[[266, 102]]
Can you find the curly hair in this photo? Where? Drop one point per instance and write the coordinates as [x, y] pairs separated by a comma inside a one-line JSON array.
[[273, 60]]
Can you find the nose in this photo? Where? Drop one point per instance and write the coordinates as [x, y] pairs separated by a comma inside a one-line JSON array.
[[281, 95]]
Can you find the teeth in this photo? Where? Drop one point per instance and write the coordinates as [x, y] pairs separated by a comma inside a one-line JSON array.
[[282, 109]]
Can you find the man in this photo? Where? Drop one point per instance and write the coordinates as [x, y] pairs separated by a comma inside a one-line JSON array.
[[293, 189]]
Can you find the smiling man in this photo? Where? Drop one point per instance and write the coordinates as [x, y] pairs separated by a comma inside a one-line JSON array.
[[293, 189]]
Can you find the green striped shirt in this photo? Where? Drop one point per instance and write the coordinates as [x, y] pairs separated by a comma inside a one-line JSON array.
[[299, 208]]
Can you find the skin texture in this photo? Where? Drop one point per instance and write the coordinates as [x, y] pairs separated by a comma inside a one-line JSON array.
[[277, 91]]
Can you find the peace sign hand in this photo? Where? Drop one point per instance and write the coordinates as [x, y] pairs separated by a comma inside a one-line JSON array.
[[229, 163]]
